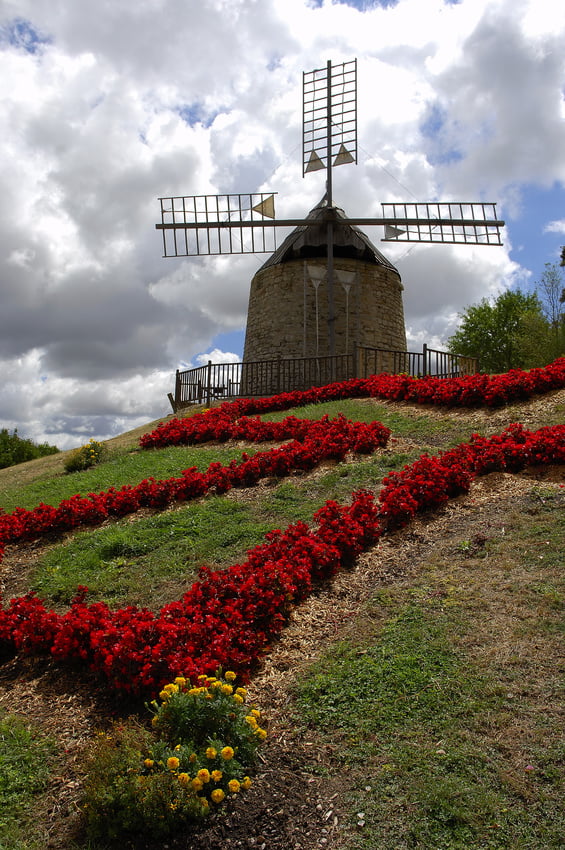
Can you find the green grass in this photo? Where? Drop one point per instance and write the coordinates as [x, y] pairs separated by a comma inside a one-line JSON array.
[[24, 770], [120, 467], [298, 499], [368, 410], [151, 560], [144, 560], [438, 744]]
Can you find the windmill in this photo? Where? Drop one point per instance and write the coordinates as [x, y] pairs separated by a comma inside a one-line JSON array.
[[204, 225]]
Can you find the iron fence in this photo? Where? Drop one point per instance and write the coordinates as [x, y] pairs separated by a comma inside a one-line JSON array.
[[217, 381]]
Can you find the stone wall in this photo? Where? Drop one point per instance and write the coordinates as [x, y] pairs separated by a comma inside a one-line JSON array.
[[285, 319]]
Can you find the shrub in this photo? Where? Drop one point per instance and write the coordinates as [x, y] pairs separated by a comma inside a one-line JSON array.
[[14, 449], [204, 743], [84, 457]]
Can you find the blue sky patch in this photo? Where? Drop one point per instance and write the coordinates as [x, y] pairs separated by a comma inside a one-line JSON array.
[[195, 113], [231, 342], [361, 5], [532, 244], [23, 35], [437, 151]]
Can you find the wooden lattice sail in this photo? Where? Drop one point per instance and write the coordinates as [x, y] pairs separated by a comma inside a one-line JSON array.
[[327, 288]]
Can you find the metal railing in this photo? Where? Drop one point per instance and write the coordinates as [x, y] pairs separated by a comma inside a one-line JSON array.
[[217, 381]]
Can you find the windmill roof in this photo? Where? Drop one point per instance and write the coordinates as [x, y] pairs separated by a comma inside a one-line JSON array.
[[310, 240]]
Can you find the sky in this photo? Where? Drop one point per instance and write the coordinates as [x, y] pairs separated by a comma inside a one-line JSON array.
[[108, 105]]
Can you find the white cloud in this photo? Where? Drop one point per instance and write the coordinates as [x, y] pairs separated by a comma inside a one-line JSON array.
[[555, 226], [108, 105], [217, 356]]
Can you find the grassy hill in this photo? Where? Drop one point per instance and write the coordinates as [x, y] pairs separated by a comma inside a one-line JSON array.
[[413, 702]]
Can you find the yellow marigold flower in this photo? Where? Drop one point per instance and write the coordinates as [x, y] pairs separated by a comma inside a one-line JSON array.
[[227, 753], [177, 748], [163, 695], [184, 779], [180, 681], [246, 783], [217, 795], [171, 689], [215, 684], [211, 753], [255, 712], [238, 699], [227, 689], [202, 677], [197, 784], [192, 758], [242, 692], [261, 734], [193, 692], [234, 786], [230, 676], [148, 762], [204, 804], [203, 775], [252, 721], [173, 762], [216, 775]]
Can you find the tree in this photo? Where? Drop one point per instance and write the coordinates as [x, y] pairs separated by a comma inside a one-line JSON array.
[[493, 331], [552, 297], [14, 449]]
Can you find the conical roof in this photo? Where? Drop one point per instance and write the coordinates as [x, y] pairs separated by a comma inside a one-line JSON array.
[[310, 240]]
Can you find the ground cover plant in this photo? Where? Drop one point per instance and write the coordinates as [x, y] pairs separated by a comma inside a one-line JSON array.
[[301, 554]]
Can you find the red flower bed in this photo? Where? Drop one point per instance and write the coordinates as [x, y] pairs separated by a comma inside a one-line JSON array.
[[313, 442], [229, 617], [231, 420]]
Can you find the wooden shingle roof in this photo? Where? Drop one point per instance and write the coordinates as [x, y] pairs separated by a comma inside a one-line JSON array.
[[309, 240]]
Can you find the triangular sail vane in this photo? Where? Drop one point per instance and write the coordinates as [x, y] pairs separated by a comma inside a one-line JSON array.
[[266, 207], [392, 232], [343, 156], [314, 163]]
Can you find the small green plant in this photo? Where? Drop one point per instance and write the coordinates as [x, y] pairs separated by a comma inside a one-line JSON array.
[[203, 746], [85, 457]]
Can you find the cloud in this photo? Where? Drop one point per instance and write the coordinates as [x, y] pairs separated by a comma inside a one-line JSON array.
[[108, 106], [555, 226]]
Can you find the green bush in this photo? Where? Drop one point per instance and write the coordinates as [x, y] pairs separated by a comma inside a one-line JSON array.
[[203, 745], [84, 457], [14, 449]]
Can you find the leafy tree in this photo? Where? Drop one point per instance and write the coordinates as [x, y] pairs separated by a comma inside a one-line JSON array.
[[14, 449], [493, 330]]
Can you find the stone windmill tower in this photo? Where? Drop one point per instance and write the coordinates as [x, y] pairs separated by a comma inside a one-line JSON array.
[[289, 310]]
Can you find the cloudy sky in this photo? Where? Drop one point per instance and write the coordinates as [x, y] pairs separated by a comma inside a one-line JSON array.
[[107, 105]]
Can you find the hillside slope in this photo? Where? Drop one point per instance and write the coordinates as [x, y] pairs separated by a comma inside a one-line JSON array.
[[485, 571]]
